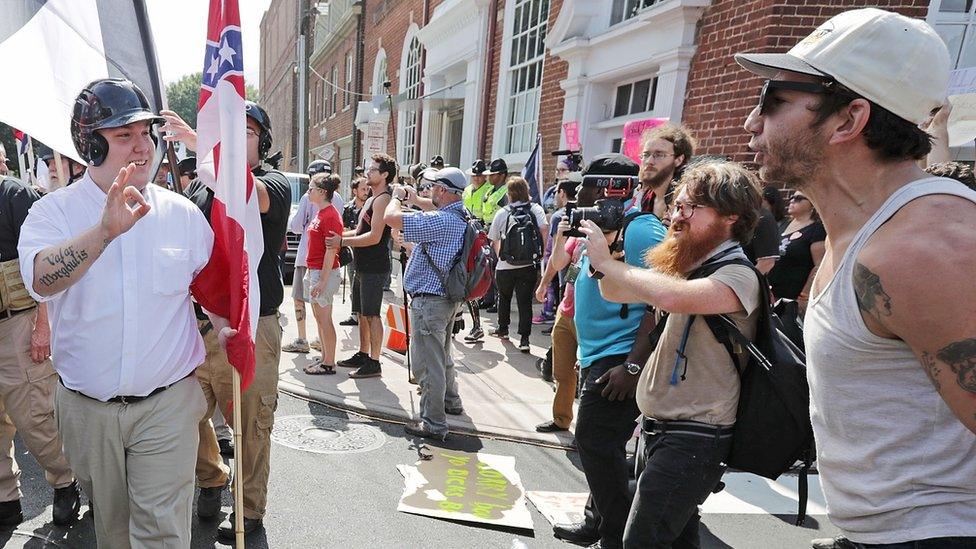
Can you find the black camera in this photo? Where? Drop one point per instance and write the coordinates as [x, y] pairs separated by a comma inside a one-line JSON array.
[[608, 212]]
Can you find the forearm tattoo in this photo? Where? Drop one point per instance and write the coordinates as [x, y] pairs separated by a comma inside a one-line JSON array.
[[299, 314], [961, 357], [871, 296], [932, 369], [67, 260]]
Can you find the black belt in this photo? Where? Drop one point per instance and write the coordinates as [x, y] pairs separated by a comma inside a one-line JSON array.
[[426, 294], [129, 399], [7, 313], [657, 427]]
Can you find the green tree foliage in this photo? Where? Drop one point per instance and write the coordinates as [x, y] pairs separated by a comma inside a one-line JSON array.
[[182, 96]]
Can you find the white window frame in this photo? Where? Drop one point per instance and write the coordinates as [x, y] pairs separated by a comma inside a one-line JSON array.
[[938, 19], [521, 110], [335, 89], [410, 83], [629, 9], [651, 96], [380, 76], [347, 93]]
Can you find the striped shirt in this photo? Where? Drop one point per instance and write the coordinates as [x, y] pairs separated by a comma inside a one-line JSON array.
[[441, 233]]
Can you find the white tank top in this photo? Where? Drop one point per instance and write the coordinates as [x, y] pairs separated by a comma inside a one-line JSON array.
[[895, 463]]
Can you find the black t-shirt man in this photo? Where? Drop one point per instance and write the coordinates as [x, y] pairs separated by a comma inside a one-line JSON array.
[[373, 259], [16, 198], [274, 223]]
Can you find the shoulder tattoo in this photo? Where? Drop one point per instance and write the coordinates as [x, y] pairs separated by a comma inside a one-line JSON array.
[[961, 357], [871, 296]]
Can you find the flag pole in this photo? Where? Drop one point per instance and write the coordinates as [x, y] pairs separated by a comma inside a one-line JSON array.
[[21, 165], [32, 179], [57, 162], [238, 466]]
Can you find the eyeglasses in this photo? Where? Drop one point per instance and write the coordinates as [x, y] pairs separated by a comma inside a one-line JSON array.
[[798, 198], [766, 99], [372, 169], [656, 155], [685, 209]]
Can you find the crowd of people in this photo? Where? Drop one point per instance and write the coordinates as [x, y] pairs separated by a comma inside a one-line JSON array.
[[629, 264]]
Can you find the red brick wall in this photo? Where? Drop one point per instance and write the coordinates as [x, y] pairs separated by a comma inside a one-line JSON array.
[[720, 94], [551, 107], [341, 123], [387, 22], [276, 82], [485, 146]]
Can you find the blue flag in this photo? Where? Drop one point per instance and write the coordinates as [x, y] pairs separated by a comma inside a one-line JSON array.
[[532, 172]]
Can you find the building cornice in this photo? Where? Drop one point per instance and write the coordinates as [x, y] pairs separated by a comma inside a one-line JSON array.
[[449, 19]]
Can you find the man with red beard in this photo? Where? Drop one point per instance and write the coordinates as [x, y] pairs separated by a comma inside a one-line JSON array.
[[689, 390], [890, 330]]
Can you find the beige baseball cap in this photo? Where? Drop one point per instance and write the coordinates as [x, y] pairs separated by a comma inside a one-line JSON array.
[[895, 61]]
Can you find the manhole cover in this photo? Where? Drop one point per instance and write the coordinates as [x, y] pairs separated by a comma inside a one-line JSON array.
[[326, 435]]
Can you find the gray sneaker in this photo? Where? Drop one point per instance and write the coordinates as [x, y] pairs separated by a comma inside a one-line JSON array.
[[297, 346], [839, 542]]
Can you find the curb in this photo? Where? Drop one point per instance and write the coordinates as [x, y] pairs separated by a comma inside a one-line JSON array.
[[399, 417]]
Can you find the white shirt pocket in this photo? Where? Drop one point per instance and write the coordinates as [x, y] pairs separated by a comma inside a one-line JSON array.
[[172, 271]]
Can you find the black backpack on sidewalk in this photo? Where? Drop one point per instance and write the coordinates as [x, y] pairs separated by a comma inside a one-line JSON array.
[[772, 430]]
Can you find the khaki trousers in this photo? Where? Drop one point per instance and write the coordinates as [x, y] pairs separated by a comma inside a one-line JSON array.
[[27, 405], [563, 369], [135, 463], [258, 405]]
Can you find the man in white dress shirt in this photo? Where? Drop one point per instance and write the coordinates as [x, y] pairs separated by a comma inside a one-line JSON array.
[[114, 257]]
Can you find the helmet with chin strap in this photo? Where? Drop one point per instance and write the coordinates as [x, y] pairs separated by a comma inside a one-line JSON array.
[[258, 114], [107, 103]]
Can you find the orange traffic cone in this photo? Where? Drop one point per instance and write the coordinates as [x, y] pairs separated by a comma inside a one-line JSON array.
[[396, 328]]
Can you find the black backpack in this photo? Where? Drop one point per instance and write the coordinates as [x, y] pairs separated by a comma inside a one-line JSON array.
[[772, 430], [522, 243]]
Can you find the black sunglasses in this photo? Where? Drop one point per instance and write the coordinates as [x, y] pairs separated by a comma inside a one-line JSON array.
[[808, 87], [798, 198]]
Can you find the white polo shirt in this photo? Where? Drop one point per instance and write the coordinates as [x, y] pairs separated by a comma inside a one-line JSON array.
[[127, 326]]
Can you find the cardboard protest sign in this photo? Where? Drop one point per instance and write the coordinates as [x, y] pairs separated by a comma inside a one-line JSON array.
[[482, 488], [962, 96], [559, 507], [633, 131], [571, 129]]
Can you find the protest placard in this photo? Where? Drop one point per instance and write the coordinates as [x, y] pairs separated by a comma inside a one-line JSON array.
[[482, 488], [571, 129], [633, 131], [559, 507]]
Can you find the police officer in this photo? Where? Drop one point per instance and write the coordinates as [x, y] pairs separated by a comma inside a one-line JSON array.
[[259, 402], [27, 379]]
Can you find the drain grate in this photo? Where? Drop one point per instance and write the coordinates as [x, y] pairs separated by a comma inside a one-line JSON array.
[[326, 434]]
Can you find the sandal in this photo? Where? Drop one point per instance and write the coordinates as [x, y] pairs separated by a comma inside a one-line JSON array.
[[320, 369]]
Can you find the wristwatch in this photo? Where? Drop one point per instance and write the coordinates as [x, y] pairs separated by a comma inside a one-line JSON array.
[[633, 368]]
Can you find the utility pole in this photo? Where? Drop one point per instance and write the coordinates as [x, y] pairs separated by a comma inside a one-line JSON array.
[[305, 14]]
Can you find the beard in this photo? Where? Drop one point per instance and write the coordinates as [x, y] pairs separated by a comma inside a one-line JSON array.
[[794, 160], [679, 255], [655, 180]]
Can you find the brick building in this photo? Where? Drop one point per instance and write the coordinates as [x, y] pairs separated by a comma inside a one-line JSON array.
[[334, 86], [479, 78], [278, 81]]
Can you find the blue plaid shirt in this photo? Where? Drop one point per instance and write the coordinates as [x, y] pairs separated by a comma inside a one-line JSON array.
[[441, 232]]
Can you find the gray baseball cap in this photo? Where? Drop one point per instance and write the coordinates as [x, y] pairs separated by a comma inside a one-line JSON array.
[[451, 179]]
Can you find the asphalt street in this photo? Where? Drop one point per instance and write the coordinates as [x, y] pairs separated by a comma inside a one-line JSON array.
[[349, 500]]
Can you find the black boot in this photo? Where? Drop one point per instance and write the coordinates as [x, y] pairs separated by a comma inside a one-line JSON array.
[[67, 503]]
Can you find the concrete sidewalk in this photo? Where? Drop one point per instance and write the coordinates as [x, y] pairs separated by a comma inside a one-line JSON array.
[[502, 391]]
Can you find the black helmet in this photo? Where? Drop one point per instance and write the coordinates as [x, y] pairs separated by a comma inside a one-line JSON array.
[[44, 153], [319, 166], [106, 103], [259, 115]]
